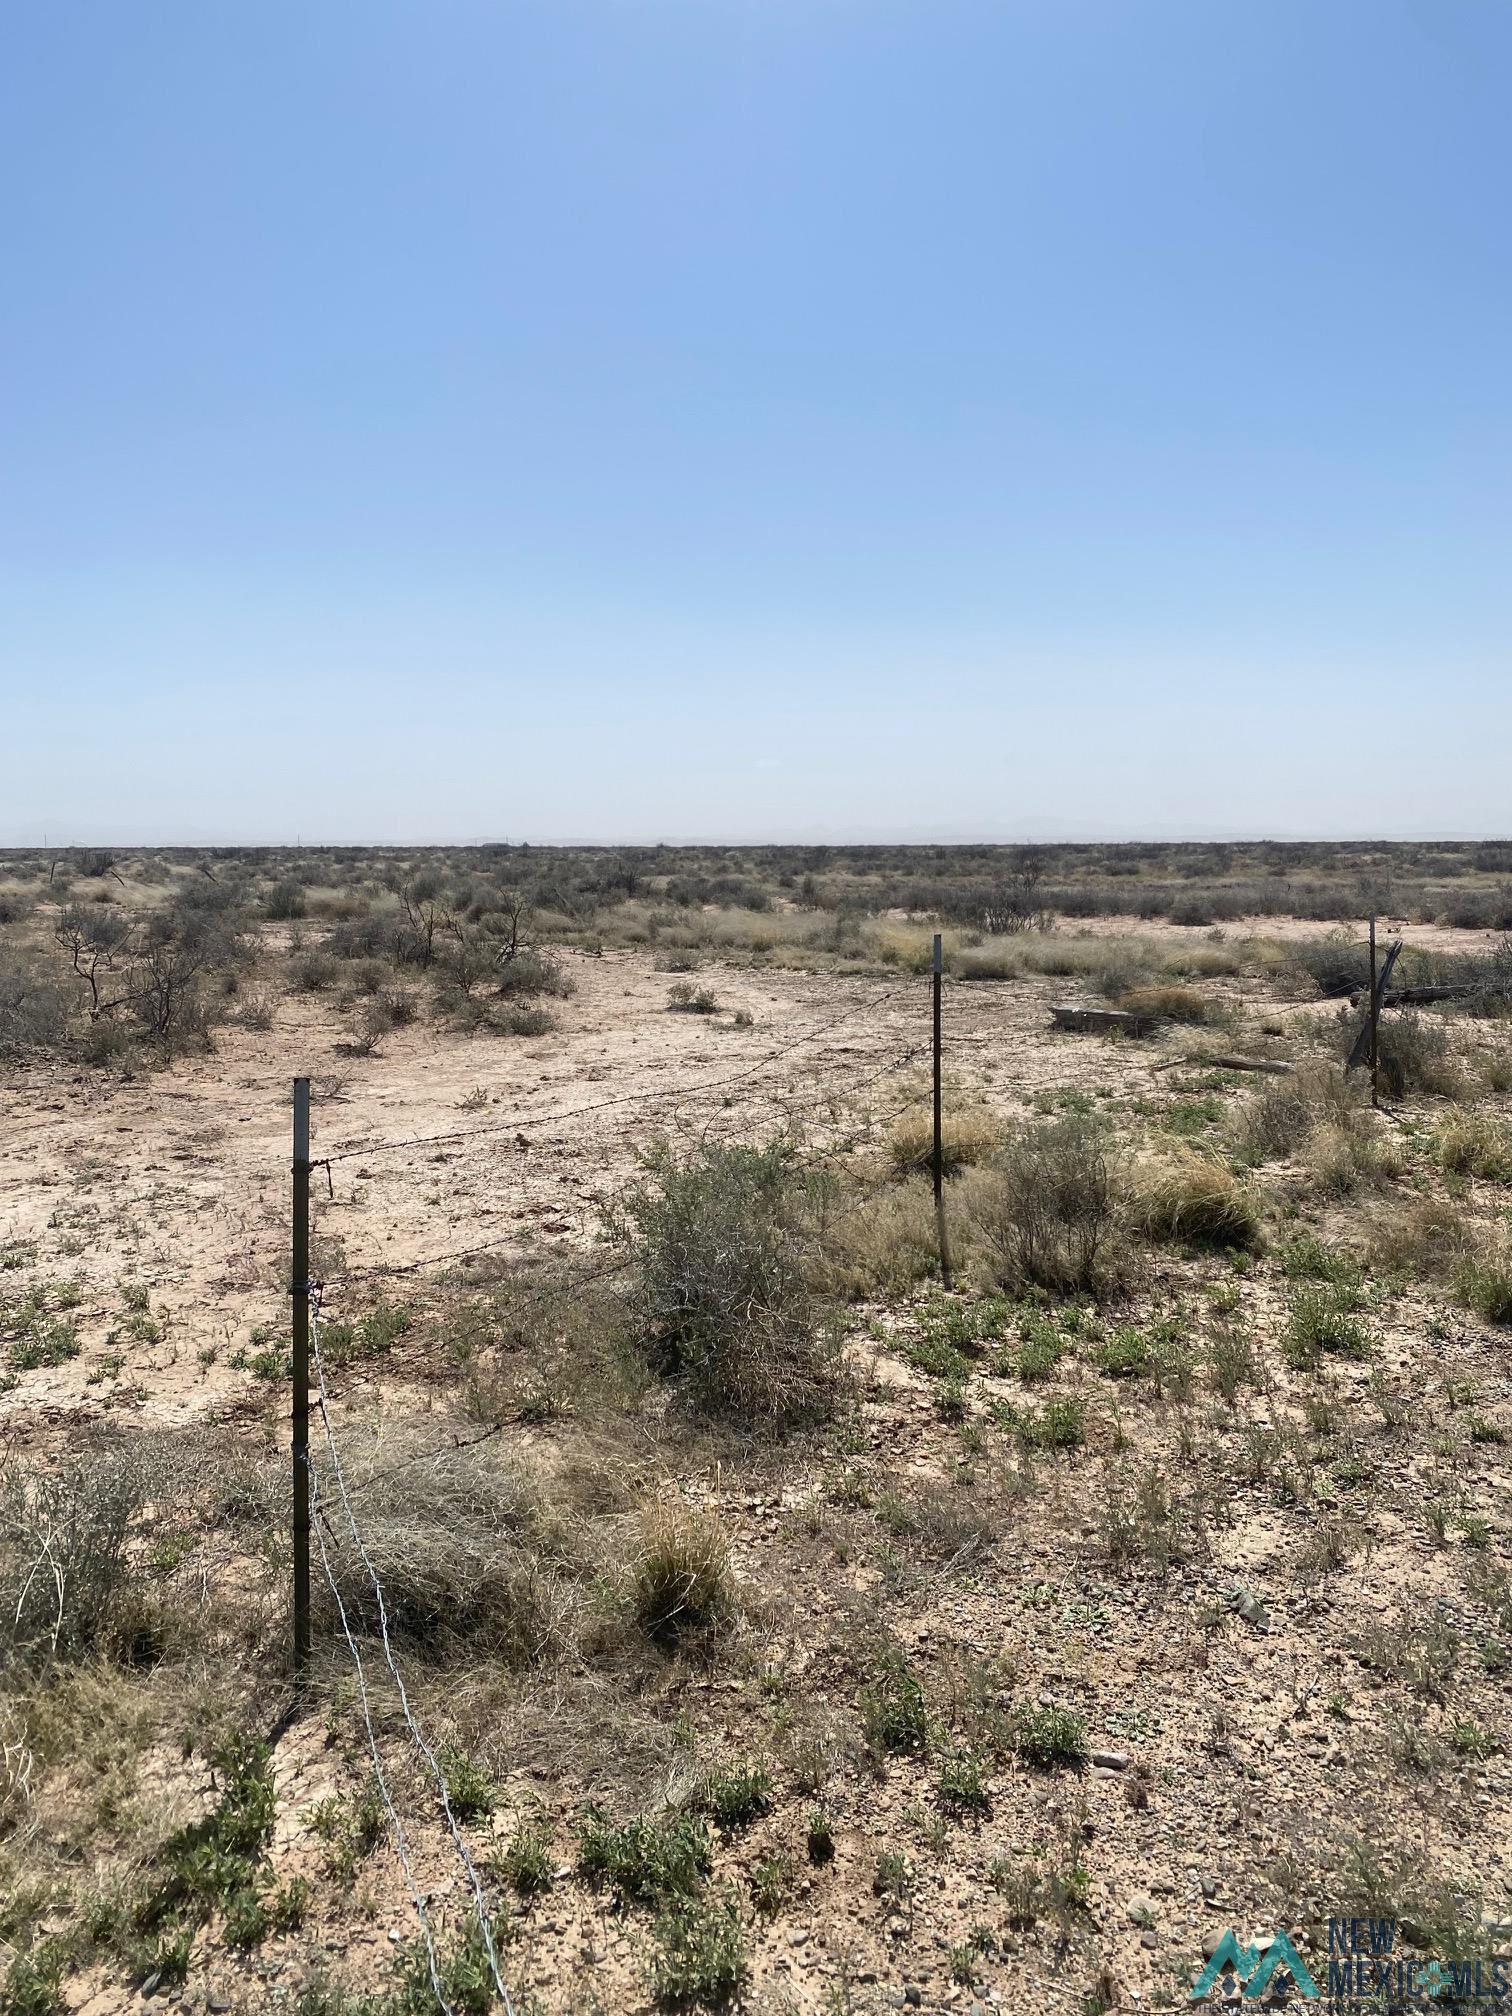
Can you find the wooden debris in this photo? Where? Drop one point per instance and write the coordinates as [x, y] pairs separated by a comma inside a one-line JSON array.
[[1087, 1020], [1272, 1064]]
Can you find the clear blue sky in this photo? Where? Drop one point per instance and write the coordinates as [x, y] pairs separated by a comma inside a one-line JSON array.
[[755, 418]]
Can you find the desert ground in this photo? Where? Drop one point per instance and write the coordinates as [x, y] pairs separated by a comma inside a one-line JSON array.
[[778, 1628]]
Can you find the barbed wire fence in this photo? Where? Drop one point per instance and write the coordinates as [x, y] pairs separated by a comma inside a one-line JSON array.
[[336, 1523]]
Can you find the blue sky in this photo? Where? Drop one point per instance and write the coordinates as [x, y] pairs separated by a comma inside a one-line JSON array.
[[649, 419]]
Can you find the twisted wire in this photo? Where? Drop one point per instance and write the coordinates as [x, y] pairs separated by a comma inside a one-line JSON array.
[[416, 1735]]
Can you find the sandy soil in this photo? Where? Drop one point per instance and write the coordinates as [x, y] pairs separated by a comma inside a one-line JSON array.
[[180, 1181], [1234, 1751]]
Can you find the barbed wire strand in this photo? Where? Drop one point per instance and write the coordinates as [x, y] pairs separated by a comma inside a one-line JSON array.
[[417, 1737], [619, 1099], [401, 1846], [403, 1269]]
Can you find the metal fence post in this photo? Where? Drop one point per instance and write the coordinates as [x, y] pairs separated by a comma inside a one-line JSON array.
[[1375, 1028], [299, 1288], [939, 1145]]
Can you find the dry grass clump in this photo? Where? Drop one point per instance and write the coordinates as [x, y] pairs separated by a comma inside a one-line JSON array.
[[1427, 1238], [538, 1345], [1046, 1210], [882, 1246], [1483, 1280], [1279, 1119], [722, 1246], [680, 1577], [91, 1552], [1472, 1144], [967, 1136], [63, 1556], [1349, 1155], [1317, 1114], [1416, 1056], [1172, 1004], [1194, 1198], [465, 1544]]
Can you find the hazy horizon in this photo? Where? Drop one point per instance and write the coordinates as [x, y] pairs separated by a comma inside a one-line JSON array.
[[943, 838]]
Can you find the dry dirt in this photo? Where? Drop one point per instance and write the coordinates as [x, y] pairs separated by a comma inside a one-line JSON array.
[[1241, 1740]]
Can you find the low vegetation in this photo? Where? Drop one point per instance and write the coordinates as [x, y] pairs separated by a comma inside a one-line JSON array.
[[763, 1596]]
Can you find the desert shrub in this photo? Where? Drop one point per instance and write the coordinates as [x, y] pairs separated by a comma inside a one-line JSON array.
[[219, 1862], [1336, 964], [1470, 1144], [1196, 1199], [313, 972], [961, 1787], [685, 999], [894, 1708], [1060, 1424], [372, 1022], [723, 1289], [1416, 1056], [737, 1793], [539, 1338], [699, 1953], [284, 902], [1479, 909], [258, 1008], [1040, 1351], [1323, 1316], [1307, 1258], [651, 1859], [967, 1136], [525, 1862], [1047, 1736], [499, 1016], [532, 973], [34, 1010], [681, 1574], [1047, 1211], [470, 1790], [1172, 1004], [1140, 1520], [1193, 910]]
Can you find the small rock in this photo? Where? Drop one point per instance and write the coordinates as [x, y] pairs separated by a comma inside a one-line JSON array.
[[1110, 1760], [1150, 1940], [913, 1995], [1208, 1885], [1211, 1941], [1245, 1604]]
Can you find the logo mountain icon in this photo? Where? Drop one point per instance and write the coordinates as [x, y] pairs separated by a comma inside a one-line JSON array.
[[1255, 1967]]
